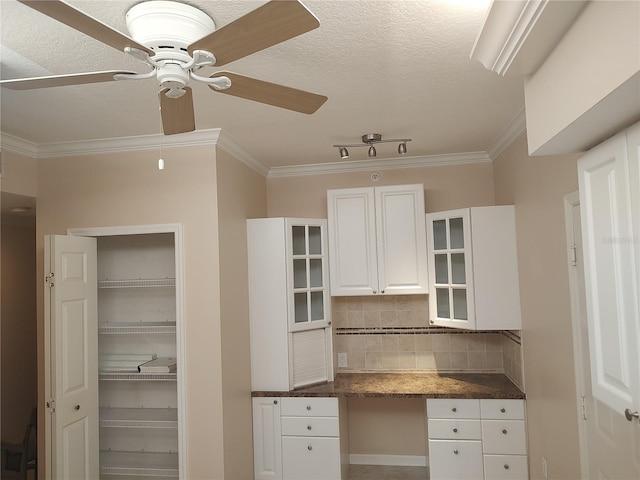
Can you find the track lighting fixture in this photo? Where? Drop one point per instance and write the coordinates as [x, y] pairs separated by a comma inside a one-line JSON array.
[[368, 140]]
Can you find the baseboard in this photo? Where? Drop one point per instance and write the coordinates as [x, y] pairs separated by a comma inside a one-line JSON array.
[[399, 460]]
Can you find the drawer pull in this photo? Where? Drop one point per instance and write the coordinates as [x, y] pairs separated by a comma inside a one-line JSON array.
[[503, 410], [506, 466], [455, 430], [455, 452], [275, 402], [308, 427], [454, 409], [309, 448], [308, 407], [504, 431]]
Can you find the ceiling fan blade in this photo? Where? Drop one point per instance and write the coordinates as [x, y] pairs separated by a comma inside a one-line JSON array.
[[177, 113], [84, 23], [60, 80], [270, 24], [271, 93]]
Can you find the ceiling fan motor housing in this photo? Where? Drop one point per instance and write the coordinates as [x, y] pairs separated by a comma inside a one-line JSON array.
[[168, 27]]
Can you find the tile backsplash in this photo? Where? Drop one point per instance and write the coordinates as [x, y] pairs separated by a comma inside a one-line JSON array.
[[392, 333]]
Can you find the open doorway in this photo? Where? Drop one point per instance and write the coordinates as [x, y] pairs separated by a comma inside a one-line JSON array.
[[18, 360]]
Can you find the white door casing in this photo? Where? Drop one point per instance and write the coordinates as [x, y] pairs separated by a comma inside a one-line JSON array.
[[610, 276], [609, 444], [71, 324]]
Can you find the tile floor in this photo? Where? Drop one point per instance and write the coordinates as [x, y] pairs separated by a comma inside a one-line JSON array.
[[380, 472]]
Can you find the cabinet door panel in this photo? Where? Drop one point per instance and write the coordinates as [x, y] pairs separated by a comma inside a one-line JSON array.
[[352, 241], [311, 458], [502, 409], [455, 459], [267, 449], [402, 253], [504, 436]]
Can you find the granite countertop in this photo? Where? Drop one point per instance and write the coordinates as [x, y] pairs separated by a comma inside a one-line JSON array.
[[426, 385]]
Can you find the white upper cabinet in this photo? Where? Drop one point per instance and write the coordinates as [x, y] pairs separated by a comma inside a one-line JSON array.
[[609, 177], [377, 240], [473, 269], [289, 303]]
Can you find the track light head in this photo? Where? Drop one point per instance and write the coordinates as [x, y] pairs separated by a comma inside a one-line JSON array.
[[402, 148], [344, 153], [372, 151]]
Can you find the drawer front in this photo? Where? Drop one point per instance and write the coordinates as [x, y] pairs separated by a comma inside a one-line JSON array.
[[455, 460], [310, 458], [452, 408], [443, 428], [504, 437], [505, 467], [311, 426], [309, 407], [502, 409]]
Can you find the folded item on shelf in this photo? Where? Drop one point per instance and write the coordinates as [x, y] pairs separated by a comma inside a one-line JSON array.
[[158, 365]]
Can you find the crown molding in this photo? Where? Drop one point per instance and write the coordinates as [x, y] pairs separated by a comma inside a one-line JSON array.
[[11, 143], [382, 164], [509, 134], [229, 145], [518, 35]]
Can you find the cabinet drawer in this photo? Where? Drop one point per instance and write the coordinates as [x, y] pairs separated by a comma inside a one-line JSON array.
[[443, 428], [502, 409], [452, 408], [504, 437], [309, 407], [505, 467], [455, 459], [315, 458], [311, 426]]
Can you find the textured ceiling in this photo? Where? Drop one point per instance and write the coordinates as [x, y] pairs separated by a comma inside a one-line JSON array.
[[396, 67]]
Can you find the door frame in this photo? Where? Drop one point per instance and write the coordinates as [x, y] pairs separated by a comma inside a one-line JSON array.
[[572, 200], [177, 231]]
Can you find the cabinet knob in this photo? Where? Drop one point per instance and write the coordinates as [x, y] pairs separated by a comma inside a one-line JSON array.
[[506, 466], [275, 402], [308, 427], [309, 448], [308, 407], [381, 291], [432, 322], [454, 409], [455, 430], [504, 431], [375, 291], [76, 408], [455, 451], [503, 409]]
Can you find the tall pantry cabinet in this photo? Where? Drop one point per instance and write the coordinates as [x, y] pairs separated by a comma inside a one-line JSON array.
[[113, 301]]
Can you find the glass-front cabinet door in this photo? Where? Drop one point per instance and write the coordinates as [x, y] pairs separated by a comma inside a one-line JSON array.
[[450, 269], [308, 263]]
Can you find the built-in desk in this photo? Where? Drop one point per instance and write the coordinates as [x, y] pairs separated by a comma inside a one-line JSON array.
[[310, 425], [426, 385]]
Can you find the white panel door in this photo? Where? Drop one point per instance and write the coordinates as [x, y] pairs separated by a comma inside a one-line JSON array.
[[267, 446], [352, 241], [610, 277], [72, 362], [402, 242]]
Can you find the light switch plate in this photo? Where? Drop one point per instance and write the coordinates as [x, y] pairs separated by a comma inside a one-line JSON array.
[[342, 360]]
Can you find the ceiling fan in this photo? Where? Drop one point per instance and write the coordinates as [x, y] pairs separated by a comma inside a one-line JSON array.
[[177, 40]]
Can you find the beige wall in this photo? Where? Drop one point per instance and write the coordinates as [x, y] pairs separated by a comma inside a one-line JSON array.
[[537, 185], [127, 189], [241, 195], [19, 174], [18, 314], [446, 187], [599, 53]]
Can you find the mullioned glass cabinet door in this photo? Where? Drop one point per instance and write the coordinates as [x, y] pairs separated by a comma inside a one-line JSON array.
[[308, 276], [451, 292]]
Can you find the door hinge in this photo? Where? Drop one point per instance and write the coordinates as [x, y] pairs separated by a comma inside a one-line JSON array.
[[583, 407], [51, 405], [574, 255], [48, 279]]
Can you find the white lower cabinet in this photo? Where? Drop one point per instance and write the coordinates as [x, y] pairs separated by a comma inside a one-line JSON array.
[[476, 439], [299, 438]]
